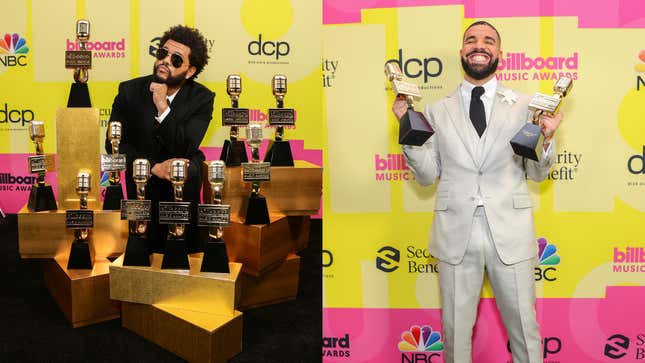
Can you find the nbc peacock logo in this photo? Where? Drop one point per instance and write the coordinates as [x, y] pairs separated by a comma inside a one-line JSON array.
[[13, 50], [640, 68], [420, 339], [548, 259]]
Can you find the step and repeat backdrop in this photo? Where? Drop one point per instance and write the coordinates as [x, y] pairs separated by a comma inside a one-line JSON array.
[[254, 38], [380, 283]]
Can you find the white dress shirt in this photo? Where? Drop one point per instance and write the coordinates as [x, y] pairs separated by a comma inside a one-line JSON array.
[[161, 117]]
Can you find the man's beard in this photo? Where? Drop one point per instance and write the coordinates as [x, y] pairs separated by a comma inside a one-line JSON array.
[[170, 81], [481, 73]]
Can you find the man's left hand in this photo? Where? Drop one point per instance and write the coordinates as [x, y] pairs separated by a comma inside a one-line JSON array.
[[548, 125]]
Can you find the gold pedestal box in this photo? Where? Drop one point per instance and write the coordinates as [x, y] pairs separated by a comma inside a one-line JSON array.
[[277, 285], [192, 335], [82, 295], [43, 234], [299, 227], [260, 247], [294, 191], [187, 289]]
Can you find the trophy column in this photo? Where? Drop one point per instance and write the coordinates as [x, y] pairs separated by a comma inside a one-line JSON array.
[[41, 196], [256, 172], [113, 164], [528, 141], [279, 153], [216, 216], [176, 214], [414, 129], [137, 212], [81, 220], [233, 151], [81, 62]]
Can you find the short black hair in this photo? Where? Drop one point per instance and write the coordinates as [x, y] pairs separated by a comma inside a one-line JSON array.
[[484, 22], [194, 40]]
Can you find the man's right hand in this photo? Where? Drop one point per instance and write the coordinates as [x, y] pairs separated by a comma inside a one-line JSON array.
[[400, 107], [162, 170], [159, 93]]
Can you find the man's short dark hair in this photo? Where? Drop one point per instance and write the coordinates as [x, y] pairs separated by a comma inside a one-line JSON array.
[[484, 22], [194, 40]]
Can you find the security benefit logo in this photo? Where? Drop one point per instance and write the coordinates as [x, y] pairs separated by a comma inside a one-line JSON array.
[[420, 344], [329, 68], [415, 260], [336, 347], [13, 50], [619, 347], [548, 260]]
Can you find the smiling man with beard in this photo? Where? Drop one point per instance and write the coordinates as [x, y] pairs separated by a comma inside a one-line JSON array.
[[483, 221], [165, 116]]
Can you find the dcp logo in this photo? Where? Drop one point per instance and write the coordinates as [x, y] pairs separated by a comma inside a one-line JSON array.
[[327, 258], [636, 163], [258, 47], [616, 346], [387, 259], [415, 67]]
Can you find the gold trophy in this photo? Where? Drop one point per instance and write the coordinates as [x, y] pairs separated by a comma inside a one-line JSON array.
[[414, 129], [279, 152], [176, 215], [81, 61], [113, 164], [234, 151], [81, 220], [215, 216], [528, 141], [256, 172], [137, 212], [41, 196]]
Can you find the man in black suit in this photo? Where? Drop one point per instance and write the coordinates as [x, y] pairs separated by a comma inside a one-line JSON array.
[[165, 116]]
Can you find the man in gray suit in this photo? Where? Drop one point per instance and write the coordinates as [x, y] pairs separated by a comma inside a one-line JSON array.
[[483, 213]]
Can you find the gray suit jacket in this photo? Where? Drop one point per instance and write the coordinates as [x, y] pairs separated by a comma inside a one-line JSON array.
[[493, 168]]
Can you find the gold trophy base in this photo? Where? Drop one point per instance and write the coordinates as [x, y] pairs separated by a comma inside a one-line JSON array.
[[278, 285], [82, 295], [207, 292], [293, 190], [43, 234], [192, 335], [299, 227], [259, 247]]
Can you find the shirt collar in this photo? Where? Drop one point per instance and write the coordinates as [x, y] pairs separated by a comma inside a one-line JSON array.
[[490, 88]]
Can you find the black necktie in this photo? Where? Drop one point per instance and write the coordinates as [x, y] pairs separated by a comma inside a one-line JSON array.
[[477, 113]]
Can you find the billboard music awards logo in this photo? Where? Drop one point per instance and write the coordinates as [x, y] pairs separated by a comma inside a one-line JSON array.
[[640, 68], [99, 48], [391, 167], [419, 260], [566, 166], [520, 67], [16, 183], [617, 347], [629, 259], [268, 51], [338, 347], [548, 259], [420, 344], [13, 50], [329, 68]]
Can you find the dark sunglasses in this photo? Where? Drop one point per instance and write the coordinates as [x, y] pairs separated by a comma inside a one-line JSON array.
[[175, 59]]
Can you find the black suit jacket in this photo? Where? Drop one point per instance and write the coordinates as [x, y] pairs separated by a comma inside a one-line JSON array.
[[178, 136]]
